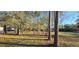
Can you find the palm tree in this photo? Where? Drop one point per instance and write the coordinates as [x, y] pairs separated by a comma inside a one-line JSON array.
[[56, 29]]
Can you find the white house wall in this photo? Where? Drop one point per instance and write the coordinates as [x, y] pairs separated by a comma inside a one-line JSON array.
[[1, 29]]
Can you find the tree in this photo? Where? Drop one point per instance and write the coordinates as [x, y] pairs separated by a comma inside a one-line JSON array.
[[49, 27], [35, 15], [4, 17], [56, 29], [77, 24], [57, 15], [21, 20], [43, 24]]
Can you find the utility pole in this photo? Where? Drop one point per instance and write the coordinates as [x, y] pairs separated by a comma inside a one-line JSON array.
[[56, 29]]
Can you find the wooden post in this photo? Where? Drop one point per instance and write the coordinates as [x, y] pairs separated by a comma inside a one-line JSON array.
[[56, 30], [49, 27]]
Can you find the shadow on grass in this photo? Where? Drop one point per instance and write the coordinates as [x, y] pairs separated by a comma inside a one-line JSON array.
[[27, 45], [27, 34], [46, 39]]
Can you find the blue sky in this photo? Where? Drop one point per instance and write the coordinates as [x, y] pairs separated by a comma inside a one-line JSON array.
[[69, 17]]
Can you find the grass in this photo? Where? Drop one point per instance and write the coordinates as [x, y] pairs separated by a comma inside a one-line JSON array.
[[24, 39], [68, 39], [30, 39]]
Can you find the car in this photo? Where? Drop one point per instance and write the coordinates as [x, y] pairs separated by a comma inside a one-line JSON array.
[[10, 29]]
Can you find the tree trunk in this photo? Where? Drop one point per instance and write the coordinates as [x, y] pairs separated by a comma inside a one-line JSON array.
[[56, 29], [49, 27], [5, 32], [18, 31]]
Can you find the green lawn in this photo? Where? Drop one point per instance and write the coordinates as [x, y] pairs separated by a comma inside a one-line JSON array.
[[25, 39], [68, 39], [29, 39]]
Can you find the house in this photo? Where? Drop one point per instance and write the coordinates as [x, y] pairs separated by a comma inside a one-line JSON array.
[[1, 29]]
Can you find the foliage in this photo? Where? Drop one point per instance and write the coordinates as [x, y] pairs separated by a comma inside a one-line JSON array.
[[24, 20], [68, 28], [19, 19], [77, 23]]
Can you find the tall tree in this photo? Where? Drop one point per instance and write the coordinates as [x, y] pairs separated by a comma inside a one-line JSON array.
[[56, 29], [4, 17], [19, 19], [43, 24], [49, 27], [35, 14], [23, 21]]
